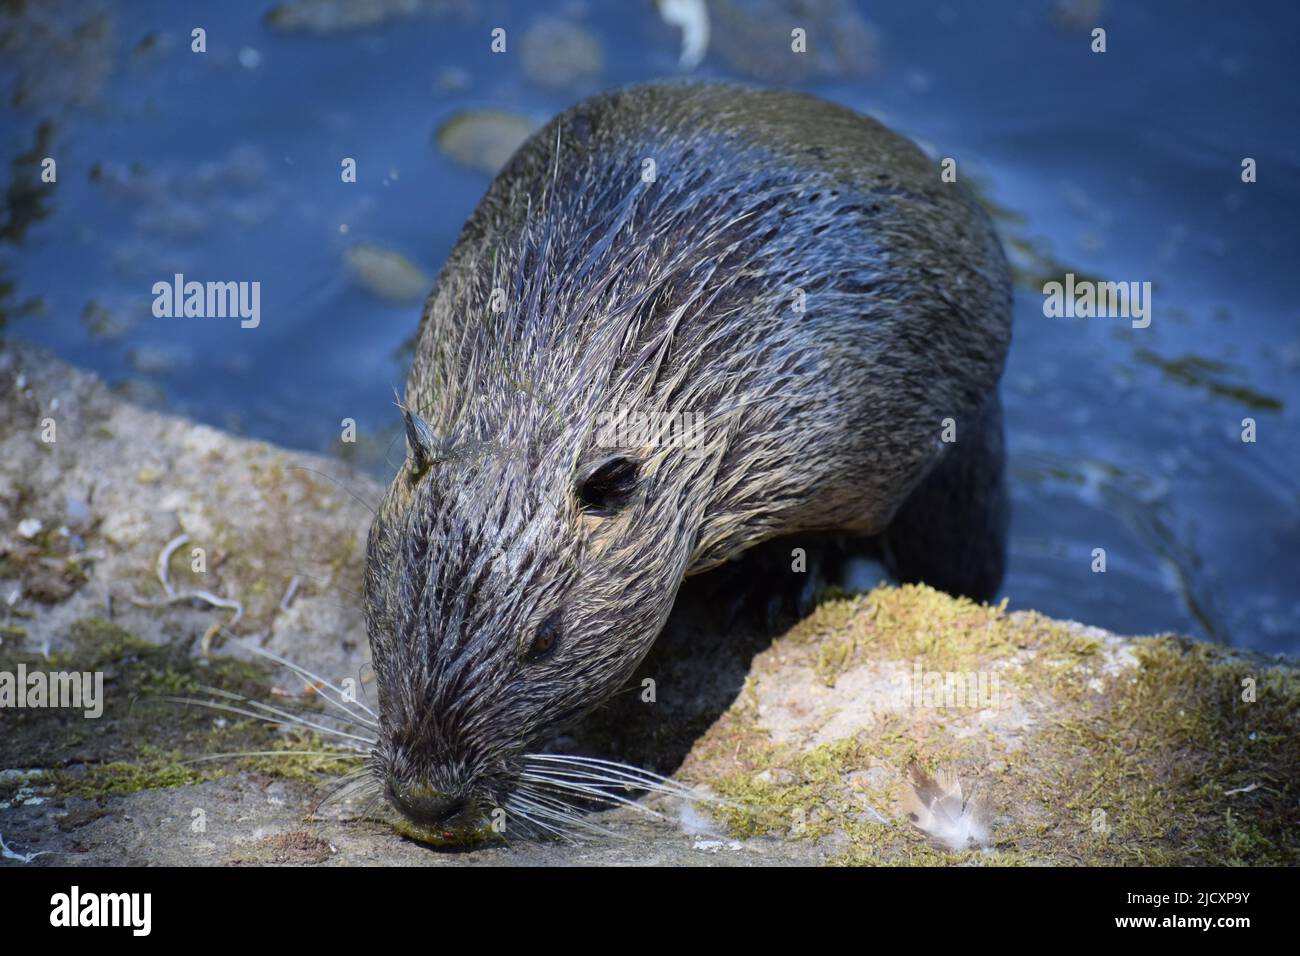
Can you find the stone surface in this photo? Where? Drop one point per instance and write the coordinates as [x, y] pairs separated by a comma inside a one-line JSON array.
[[1076, 745]]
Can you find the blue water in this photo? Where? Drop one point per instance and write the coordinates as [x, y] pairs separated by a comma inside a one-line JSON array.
[[1123, 165]]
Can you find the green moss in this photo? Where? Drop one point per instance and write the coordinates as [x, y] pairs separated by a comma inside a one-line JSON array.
[[916, 621], [322, 763], [144, 741], [158, 669], [1162, 748], [152, 769], [98, 641], [807, 796], [802, 803]]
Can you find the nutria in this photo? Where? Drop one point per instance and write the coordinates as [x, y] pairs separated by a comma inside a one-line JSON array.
[[793, 275]]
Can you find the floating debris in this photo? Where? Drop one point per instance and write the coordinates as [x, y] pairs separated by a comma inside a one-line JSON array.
[[452, 79], [1194, 371], [1079, 14], [561, 55], [388, 274], [103, 322], [160, 359], [483, 140], [339, 16], [692, 18], [755, 37], [151, 44]]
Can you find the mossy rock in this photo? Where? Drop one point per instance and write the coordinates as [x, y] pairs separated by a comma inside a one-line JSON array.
[[1095, 750]]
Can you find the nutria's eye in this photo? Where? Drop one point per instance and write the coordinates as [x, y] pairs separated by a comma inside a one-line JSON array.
[[608, 486], [544, 641]]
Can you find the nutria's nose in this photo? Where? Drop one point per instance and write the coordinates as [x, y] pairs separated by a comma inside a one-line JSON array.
[[425, 805]]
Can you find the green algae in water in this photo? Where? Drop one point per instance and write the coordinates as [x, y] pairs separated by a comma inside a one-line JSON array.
[[1194, 371]]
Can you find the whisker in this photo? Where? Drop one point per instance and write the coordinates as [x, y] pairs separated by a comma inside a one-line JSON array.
[[624, 773], [357, 783], [291, 720], [557, 809], [513, 805], [308, 675], [535, 798], [347, 722], [368, 810], [289, 715], [594, 792], [355, 496], [575, 759], [278, 753], [578, 760], [626, 782]]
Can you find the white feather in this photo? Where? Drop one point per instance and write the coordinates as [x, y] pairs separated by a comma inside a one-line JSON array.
[[937, 806]]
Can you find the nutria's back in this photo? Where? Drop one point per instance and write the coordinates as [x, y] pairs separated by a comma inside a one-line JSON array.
[[906, 317], [791, 275]]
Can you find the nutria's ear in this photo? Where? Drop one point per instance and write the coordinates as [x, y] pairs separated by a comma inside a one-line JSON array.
[[419, 442]]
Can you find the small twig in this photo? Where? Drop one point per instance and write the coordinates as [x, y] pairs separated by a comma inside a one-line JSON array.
[[162, 567], [8, 854], [290, 592], [205, 596], [164, 560]]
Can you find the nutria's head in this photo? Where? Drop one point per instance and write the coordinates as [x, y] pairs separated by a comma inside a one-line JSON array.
[[509, 590]]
